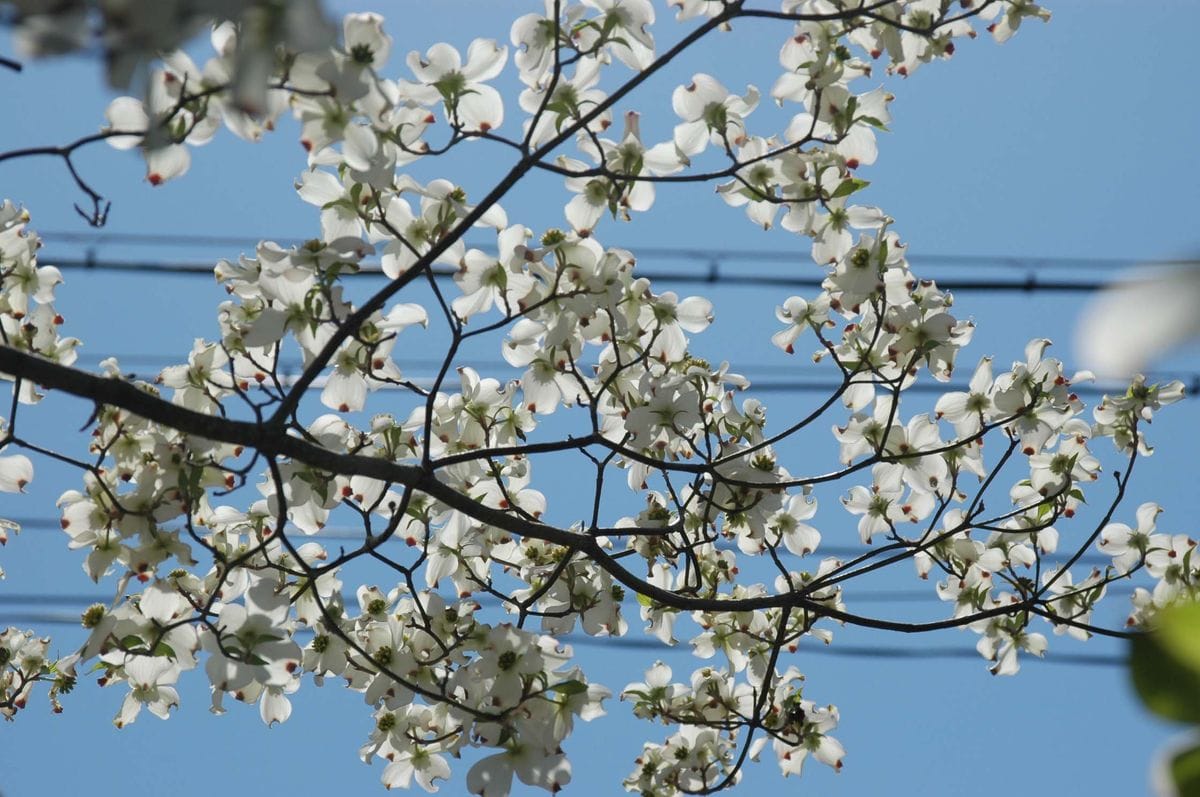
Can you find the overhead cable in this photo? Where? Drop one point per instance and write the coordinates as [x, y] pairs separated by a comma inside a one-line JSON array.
[[627, 643], [46, 524], [687, 253], [709, 275]]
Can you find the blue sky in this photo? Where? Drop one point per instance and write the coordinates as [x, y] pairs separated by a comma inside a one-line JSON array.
[[1076, 139]]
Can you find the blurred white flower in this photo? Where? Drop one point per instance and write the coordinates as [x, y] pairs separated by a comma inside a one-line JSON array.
[[1140, 318]]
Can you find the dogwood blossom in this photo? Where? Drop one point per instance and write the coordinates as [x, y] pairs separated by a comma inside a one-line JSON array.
[[466, 100], [211, 496]]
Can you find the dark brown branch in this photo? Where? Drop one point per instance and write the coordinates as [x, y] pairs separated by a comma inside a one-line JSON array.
[[272, 441]]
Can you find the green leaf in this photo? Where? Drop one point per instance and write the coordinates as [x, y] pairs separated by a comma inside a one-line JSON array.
[[569, 687], [192, 488], [1165, 664], [848, 187], [1185, 772], [132, 642], [643, 599], [163, 649], [1179, 631]]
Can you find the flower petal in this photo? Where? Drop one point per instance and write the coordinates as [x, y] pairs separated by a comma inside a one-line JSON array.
[[15, 473]]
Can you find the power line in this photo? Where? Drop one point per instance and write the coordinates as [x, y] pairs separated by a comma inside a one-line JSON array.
[[690, 254], [46, 599], [846, 651], [335, 533], [879, 651], [708, 276], [855, 597], [1030, 284], [1191, 379]]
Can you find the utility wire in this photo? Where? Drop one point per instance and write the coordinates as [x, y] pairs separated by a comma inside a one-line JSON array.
[[710, 275], [609, 643], [1190, 379], [691, 254], [786, 365], [879, 651], [855, 597], [45, 524]]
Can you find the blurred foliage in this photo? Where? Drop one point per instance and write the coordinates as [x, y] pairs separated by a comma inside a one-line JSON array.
[[1165, 666]]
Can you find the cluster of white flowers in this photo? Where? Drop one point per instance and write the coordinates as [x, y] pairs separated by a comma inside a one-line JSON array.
[[235, 589], [25, 661], [28, 320], [28, 323], [132, 33]]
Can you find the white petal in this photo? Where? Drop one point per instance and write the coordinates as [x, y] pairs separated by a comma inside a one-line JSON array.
[[786, 337], [830, 752], [48, 277], [694, 313], [320, 188], [398, 774], [662, 158], [167, 163], [148, 670], [981, 380], [404, 315], [1147, 513], [485, 59], [762, 214], [540, 397], [439, 59], [359, 147], [345, 392], [15, 473], [274, 707], [691, 138], [126, 113], [266, 329], [397, 259], [583, 215], [550, 773], [483, 109], [435, 768], [340, 221], [491, 776], [865, 217], [130, 708], [690, 101], [859, 145], [160, 604]]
